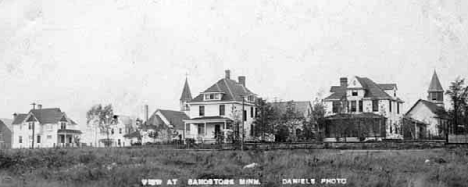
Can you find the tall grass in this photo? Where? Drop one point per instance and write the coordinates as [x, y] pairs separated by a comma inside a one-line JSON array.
[[127, 166]]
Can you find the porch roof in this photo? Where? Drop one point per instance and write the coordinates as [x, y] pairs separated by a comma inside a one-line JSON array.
[[358, 116], [68, 131], [208, 119]]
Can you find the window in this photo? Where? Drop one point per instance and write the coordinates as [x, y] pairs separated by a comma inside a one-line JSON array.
[[222, 110], [38, 138], [49, 137], [120, 130], [335, 106], [30, 124], [20, 138], [256, 112], [375, 105], [251, 98], [360, 106], [213, 96], [118, 142], [398, 108], [251, 130], [112, 131], [188, 128], [49, 127], [251, 112], [201, 111], [353, 106], [244, 115], [200, 129], [390, 105], [63, 125], [354, 93], [434, 96], [187, 107]]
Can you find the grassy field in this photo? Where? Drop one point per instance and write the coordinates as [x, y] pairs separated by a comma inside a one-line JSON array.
[[126, 167]]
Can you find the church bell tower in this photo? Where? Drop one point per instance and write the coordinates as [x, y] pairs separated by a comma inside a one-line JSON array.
[[435, 91]]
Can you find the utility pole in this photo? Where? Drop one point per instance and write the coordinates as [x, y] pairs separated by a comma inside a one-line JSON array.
[[243, 119], [32, 126]]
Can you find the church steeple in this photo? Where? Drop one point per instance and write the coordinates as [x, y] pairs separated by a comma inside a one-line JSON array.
[[185, 97], [435, 91]]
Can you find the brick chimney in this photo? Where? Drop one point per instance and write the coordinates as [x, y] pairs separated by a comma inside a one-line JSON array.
[[228, 74], [344, 82], [39, 106], [242, 80], [14, 116]]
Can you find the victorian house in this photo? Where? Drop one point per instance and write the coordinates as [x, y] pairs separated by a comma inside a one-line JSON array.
[[44, 127], [360, 110], [225, 108], [427, 118]]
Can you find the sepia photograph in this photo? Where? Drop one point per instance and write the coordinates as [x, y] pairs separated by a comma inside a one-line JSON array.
[[267, 93]]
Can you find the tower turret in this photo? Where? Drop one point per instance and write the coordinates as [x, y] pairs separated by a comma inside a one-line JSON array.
[[435, 91], [185, 98]]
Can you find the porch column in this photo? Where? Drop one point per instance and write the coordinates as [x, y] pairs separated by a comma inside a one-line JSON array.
[[205, 130], [224, 132]]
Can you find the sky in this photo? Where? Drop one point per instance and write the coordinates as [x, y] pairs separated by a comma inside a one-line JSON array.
[[73, 54]]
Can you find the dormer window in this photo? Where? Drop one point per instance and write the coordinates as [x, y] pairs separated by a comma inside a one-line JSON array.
[[251, 98], [212, 96], [63, 125], [354, 93]]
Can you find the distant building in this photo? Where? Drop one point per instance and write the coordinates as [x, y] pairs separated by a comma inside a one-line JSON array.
[[44, 127], [5, 133], [218, 110], [113, 134], [428, 118], [303, 110], [168, 125], [360, 109]]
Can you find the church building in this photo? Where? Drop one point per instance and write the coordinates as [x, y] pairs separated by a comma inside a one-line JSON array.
[[427, 118]]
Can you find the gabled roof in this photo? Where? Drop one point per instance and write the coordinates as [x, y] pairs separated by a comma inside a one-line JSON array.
[[7, 122], [44, 116], [176, 118], [186, 94], [232, 90], [19, 119], [435, 85], [300, 106], [437, 110], [388, 86], [372, 90], [48, 115]]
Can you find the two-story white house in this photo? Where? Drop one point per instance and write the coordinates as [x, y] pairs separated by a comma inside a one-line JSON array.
[[361, 108], [48, 127], [112, 134], [224, 107]]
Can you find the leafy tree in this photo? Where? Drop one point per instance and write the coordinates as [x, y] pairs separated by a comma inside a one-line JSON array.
[[458, 94], [103, 116], [265, 119]]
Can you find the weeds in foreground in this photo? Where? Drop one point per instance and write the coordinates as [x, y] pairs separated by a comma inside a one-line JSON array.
[[126, 167]]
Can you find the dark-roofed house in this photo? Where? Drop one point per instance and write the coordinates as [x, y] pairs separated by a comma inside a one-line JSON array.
[[218, 109], [5, 133], [427, 118], [168, 124], [44, 127], [360, 100]]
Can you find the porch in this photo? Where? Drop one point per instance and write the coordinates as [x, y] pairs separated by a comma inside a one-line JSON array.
[[68, 138], [354, 127], [207, 130]]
